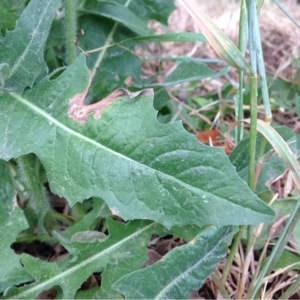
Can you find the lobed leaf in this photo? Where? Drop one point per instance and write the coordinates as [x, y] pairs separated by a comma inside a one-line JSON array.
[[141, 168], [124, 251], [23, 48]]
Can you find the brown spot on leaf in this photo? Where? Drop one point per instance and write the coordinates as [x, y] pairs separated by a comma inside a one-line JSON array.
[[80, 112]]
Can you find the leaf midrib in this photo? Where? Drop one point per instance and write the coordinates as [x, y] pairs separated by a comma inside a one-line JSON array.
[[22, 57], [95, 143], [185, 274], [57, 279]]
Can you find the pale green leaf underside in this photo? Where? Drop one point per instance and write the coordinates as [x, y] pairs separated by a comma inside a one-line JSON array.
[[181, 271], [141, 168]]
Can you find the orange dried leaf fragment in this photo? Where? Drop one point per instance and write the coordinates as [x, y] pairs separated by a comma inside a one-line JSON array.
[[212, 138], [208, 136]]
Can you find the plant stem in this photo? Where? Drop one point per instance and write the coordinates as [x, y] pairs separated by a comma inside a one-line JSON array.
[[253, 108], [252, 23], [279, 247], [103, 52], [233, 250], [262, 257], [216, 279], [260, 159], [252, 146], [70, 30], [239, 112], [253, 100]]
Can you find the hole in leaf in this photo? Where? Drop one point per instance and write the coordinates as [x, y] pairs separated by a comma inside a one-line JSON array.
[[93, 281], [49, 294], [35, 248], [41, 250], [159, 246]]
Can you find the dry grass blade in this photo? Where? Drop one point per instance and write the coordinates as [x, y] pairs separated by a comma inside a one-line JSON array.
[[219, 41]]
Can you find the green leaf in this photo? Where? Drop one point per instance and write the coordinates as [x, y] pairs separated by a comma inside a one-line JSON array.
[[271, 168], [124, 251], [281, 148], [12, 221], [189, 71], [180, 272], [168, 37], [30, 173], [150, 10], [171, 37], [118, 13], [153, 9], [23, 48], [55, 45], [118, 63], [289, 260], [284, 207], [141, 168], [90, 219], [186, 71], [4, 73], [7, 18]]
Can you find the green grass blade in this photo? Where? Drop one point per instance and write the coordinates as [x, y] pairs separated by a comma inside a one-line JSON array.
[[257, 59], [239, 101]]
